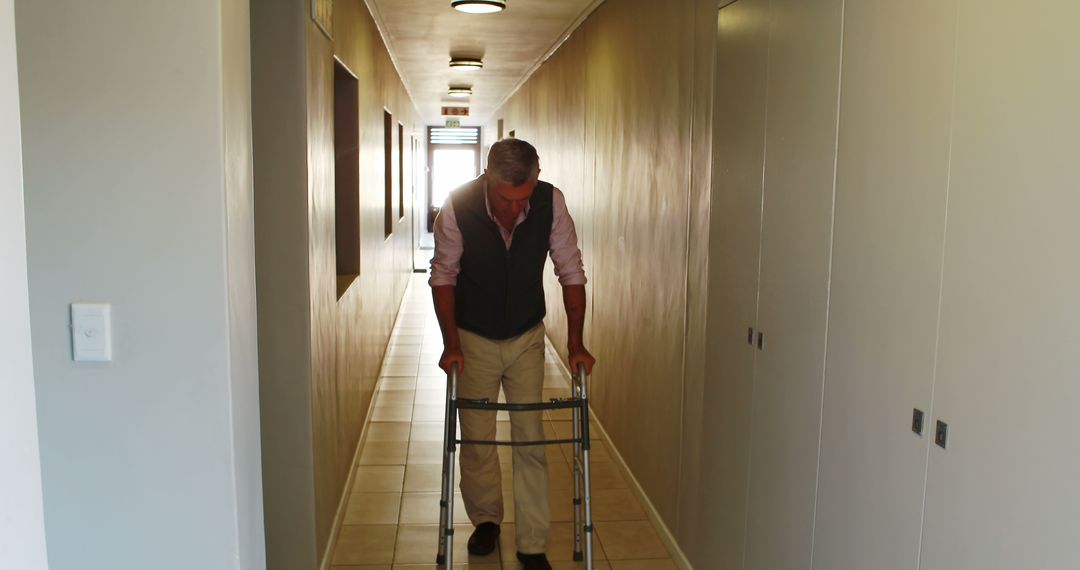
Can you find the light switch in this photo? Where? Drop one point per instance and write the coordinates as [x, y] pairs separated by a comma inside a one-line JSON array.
[[91, 332]]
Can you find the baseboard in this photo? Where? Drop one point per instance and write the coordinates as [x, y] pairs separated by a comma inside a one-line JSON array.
[[677, 555]]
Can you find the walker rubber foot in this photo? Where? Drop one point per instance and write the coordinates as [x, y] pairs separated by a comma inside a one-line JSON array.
[[440, 559], [578, 557]]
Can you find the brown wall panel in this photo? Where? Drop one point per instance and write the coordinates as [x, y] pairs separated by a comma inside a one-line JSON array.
[[611, 114], [350, 334]]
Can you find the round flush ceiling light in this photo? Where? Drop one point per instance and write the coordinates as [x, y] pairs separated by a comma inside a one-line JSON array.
[[478, 6], [466, 63], [459, 92]]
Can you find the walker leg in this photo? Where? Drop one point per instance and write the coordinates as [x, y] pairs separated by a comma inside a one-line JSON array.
[[578, 557], [446, 503], [587, 481]]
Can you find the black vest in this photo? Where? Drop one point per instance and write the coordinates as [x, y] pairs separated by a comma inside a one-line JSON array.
[[500, 293]]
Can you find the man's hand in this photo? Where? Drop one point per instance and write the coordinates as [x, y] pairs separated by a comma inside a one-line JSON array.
[[578, 356], [450, 357]]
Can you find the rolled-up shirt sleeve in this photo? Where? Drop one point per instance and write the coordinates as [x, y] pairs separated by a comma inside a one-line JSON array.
[[565, 253], [446, 263]]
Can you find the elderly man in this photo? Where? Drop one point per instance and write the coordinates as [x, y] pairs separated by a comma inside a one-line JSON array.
[[492, 239]]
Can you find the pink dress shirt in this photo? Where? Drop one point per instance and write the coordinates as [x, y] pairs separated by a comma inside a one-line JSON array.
[[564, 251]]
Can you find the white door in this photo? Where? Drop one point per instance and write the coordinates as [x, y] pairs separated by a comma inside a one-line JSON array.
[[734, 240], [800, 150], [892, 176], [1005, 494]]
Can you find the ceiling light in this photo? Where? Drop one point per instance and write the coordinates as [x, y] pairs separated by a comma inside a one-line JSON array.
[[478, 6], [459, 92], [466, 63]]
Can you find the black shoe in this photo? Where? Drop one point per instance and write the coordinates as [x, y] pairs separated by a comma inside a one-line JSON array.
[[484, 539], [534, 561]]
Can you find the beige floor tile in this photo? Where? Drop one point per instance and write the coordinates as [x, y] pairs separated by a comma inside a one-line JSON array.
[[361, 567], [630, 540], [502, 430], [404, 350], [560, 476], [429, 412], [423, 508], [598, 452], [616, 505], [400, 358], [562, 565], [424, 478], [555, 456], [392, 413], [556, 393], [378, 479], [561, 505], [401, 369], [427, 431], [663, 564], [384, 453], [425, 453], [607, 476], [372, 508], [365, 544], [431, 383], [565, 430], [395, 397], [560, 545], [431, 354], [388, 431], [418, 544], [400, 383], [430, 370], [553, 379], [431, 397], [564, 415], [509, 510]]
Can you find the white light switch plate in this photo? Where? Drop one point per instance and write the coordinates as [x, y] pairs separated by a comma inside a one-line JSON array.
[[91, 332]]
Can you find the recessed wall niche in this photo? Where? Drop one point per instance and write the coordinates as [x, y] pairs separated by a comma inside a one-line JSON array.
[[346, 176]]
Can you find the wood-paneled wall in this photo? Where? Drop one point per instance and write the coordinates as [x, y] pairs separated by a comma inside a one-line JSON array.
[[617, 118], [321, 354]]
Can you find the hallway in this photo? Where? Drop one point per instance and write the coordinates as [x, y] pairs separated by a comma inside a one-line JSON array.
[[392, 512], [830, 248]]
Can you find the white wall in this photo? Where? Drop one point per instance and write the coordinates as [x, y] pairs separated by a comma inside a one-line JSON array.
[[240, 253], [138, 194], [22, 528]]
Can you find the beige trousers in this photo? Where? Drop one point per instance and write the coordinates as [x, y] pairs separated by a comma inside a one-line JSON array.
[[517, 364]]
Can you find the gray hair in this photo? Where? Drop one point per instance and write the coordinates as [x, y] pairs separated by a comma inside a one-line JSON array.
[[513, 161]]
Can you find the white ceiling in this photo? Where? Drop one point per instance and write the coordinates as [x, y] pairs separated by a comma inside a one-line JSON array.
[[423, 34]]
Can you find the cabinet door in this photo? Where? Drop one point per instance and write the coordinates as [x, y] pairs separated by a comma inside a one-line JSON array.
[[1004, 494], [734, 238], [800, 152], [892, 176]]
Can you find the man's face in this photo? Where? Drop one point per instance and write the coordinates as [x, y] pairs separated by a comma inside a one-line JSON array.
[[508, 201]]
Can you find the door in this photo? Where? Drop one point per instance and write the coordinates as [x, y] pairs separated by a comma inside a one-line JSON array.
[[886, 274], [800, 155], [734, 239], [1003, 495]]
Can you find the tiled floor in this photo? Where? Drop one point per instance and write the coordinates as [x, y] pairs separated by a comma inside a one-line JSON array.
[[392, 515]]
